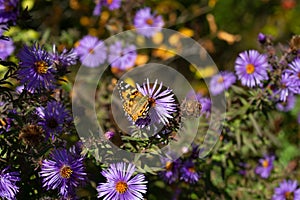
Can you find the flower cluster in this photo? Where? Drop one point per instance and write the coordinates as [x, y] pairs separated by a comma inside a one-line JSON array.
[[290, 80], [146, 23], [93, 52], [254, 69], [183, 168], [110, 4]]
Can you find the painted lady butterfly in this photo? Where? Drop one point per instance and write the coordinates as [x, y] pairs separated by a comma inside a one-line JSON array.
[[135, 104]]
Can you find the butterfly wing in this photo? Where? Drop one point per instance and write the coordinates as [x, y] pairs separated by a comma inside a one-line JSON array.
[[135, 104]]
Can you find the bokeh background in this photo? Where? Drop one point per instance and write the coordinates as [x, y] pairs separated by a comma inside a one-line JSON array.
[[224, 28]]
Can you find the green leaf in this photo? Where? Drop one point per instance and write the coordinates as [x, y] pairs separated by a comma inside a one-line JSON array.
[[289, 153]]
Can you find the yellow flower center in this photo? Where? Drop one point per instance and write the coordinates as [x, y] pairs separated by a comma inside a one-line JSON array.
[[192, 169], [76, 44], [52, 123], [121, 187], [289, 195], [66, 171], [220, 79], [2, 122], [151, 102], [41, 67], [7, 6], [169, 166], [283, 86], [91, 51], [265, 164], [149, 21], [109, 2], [250, 68]]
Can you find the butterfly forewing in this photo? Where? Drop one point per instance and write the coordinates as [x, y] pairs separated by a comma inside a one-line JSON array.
[[135, 104]]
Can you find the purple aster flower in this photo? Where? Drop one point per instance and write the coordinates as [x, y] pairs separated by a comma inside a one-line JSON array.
[[265, 166], [205, 105], [287, 86], [98, 7], [6, 48], [64, 171], [52, 118], [295, 74], [21, 88], [8, 11], [298, 118], [120, 183], [188, 172], [109, 135], [221, 82], [243, 168], [3, 28], [91, 51], [122, 58], [262, 38], [64, 59], [251, 68], [112, 4], [171, 174], [287, 105], [287, 190], [162, 102], [36, 72], [5, 125], [77, 149], [196, 151], [192, 151], [8, 187], [147, 24]]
